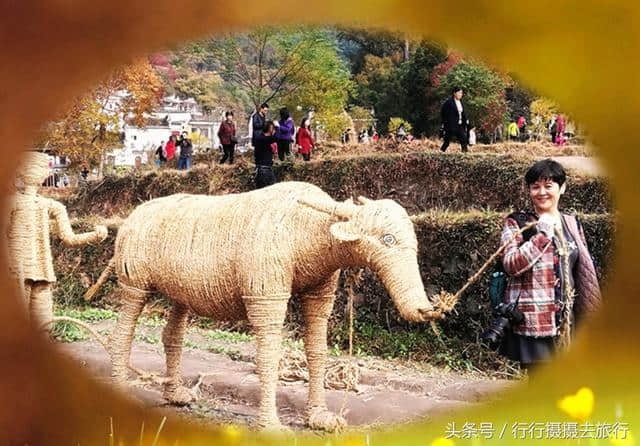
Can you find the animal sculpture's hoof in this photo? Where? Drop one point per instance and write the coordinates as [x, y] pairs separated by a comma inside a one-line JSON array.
[[178, 395], [321, 418]]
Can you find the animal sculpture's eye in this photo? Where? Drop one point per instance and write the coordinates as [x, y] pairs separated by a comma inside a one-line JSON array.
[[388, 239]]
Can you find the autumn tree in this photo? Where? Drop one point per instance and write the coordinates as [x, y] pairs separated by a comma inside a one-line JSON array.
[[542, 110], [90, 125]]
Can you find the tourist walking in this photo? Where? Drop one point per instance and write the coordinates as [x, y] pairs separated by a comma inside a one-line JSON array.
[[304, 140], [263, 155], [170, 147], [454, 120], [522, 128], [401, 133], [161, 154], [258, 121], [513, 131], [228, 139], [186, 150], [560, 128], [284, 133]]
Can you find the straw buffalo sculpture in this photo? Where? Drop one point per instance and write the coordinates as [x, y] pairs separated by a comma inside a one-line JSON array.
[[242, 256]]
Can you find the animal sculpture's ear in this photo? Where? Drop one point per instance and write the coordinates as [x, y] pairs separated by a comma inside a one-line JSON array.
[[364, 200], [343, 231]]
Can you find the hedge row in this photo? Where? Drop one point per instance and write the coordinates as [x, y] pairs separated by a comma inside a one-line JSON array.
[[419, 181], [452, 246]]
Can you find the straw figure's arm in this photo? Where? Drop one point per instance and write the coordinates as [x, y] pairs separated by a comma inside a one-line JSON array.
[[59, 213], [15, 266]]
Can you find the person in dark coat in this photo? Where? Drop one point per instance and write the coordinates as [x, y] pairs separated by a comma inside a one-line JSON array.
[[263, 155], [186, 150], [161, 154], [454, 120], [258, 122]]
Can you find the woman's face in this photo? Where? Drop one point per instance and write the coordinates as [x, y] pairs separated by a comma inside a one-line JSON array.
[[545, 195]]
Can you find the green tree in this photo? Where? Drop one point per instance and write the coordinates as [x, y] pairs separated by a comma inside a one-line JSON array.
[[269, 64], [379, 86], [484, 94], [421, 97], [356, 44], [325, 86]]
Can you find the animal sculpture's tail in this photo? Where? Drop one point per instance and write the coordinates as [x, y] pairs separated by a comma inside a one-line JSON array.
[[101, 280]]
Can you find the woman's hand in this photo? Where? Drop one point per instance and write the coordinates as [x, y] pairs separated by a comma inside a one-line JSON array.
[[101, 232], [546, 224]]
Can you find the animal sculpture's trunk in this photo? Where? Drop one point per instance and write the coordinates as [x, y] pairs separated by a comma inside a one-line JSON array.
[[402, 279]]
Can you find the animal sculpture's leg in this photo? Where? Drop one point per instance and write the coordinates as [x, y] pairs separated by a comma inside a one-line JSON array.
[[266, 315], [132, 304], [41, 305], [173, 338], [317, 310]]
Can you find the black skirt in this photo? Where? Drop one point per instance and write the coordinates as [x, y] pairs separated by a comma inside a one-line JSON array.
[[527, 349]]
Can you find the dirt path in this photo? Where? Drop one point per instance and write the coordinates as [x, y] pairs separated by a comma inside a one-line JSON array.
[[388, 391]]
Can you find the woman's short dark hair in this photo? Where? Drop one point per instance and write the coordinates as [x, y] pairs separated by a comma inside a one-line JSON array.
[[229, 113], [455, 89], [268, 126], [547, 169], [284, 114]]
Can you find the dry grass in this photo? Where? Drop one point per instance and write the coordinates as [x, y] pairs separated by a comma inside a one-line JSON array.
[[329, 150]]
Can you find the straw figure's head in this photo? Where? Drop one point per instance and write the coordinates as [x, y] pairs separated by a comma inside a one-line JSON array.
[[379, 234], [33, 170]]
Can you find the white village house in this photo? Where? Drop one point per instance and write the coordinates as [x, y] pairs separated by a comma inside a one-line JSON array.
[[175, 115]]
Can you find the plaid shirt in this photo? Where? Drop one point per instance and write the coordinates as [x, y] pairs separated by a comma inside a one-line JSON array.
[[533, 269]]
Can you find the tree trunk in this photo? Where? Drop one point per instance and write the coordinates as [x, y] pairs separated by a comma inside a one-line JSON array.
[[406, 49], [101, 165]]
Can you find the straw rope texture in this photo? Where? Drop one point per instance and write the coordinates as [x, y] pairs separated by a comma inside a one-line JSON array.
[[242, 256], [28, 237]]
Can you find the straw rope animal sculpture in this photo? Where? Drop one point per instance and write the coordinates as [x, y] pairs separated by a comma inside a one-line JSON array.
[[28, 239], [242, 256]]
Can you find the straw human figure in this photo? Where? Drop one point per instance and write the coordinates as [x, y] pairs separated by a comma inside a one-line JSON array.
[[242, 256], [28, 237]]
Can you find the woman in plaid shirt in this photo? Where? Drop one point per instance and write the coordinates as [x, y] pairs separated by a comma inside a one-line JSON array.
[[551, 291]]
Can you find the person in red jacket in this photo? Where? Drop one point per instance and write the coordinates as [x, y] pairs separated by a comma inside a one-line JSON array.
[[304, 140], [227, 135], [170, 148]]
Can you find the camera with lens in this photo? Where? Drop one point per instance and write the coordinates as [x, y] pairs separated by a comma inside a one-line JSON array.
[[503, 316]]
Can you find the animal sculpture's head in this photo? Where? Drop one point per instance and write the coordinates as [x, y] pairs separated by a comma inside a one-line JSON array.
[[380, 235]]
